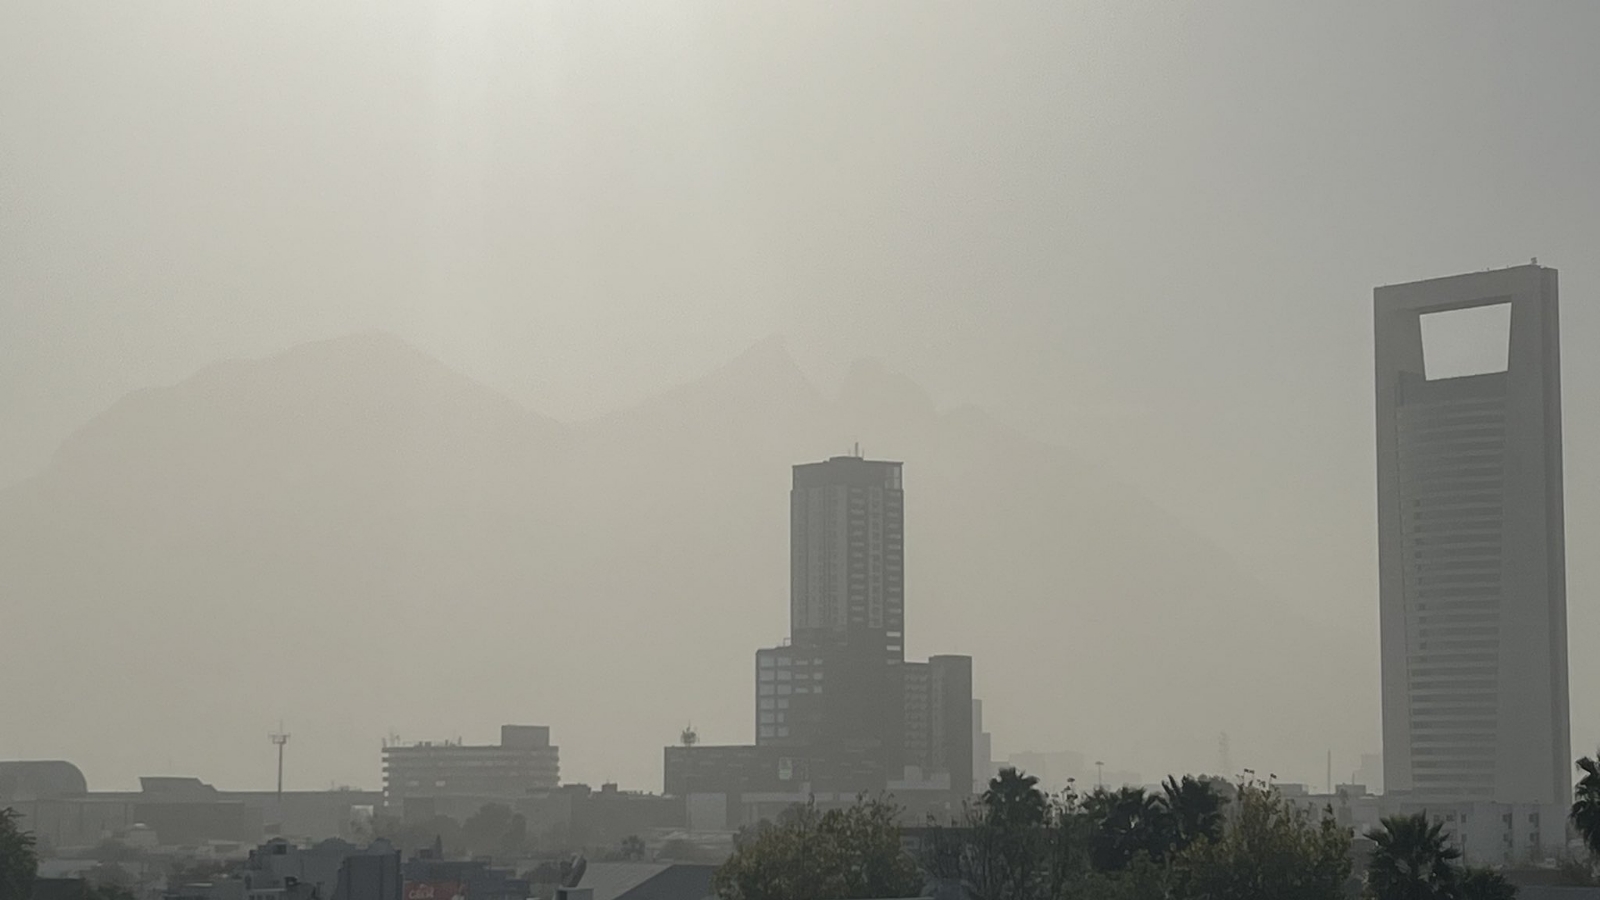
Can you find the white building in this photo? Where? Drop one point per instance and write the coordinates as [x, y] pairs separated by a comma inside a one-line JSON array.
[[1471, 543], [1488, 834]]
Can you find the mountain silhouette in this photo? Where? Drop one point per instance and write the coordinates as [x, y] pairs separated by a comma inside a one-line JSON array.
[[355, 538]]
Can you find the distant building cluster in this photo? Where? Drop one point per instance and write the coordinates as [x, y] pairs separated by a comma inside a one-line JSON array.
[[838, 710]]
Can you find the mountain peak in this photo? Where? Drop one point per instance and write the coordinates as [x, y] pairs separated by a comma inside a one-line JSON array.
[[768, 358], [870, 385]]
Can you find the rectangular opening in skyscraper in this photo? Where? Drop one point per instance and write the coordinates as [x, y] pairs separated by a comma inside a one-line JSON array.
[[1471, 341]]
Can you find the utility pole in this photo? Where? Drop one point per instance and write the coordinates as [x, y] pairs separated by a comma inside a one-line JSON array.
[[1099, 774], [279, 737]]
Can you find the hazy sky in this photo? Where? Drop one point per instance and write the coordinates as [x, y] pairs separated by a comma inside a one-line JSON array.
[[1146, 230]]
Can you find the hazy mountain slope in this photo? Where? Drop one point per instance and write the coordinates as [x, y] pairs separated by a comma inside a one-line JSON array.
[[312, 536], [353, 538], [1096, 619]]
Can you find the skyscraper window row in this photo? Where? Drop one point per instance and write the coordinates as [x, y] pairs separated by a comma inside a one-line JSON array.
[[1453, 636], [1477, 576], [1437, 517], [1415, 482], [1472, 498], [1427, 686]]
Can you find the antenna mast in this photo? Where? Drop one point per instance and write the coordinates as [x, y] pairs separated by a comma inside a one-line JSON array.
[[279, 738]]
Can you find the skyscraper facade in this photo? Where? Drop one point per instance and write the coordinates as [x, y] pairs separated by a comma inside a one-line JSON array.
[[846, 609], [1472, 586], [847, 566]]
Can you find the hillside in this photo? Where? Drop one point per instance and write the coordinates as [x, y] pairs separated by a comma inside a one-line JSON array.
[[354, 538]]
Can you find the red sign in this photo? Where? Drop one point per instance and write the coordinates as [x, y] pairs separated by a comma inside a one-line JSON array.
[[435, 890]]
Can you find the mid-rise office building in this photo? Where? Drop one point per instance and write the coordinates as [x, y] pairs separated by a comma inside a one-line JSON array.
[[457, 779], [983, 767], [1472, 571], [939, 731]]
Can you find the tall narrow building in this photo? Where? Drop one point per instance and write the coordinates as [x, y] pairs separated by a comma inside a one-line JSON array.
[[1472, 586], [847, 568], [846, 611]]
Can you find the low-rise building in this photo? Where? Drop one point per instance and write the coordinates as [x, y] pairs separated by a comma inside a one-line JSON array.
[[57, 806], [455, 779], [1487, 833], [281, 870]]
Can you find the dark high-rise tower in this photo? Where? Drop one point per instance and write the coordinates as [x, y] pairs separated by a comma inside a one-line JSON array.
[[846, 561], [836, 686], [1472, 570]]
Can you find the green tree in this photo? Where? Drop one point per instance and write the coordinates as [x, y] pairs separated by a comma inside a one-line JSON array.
[[987, 856], [1014, 800], [1484, 884], [633, 847], [1586, 806], [1269, 850], [484, 831], [18, 861], [1143, 879], [515, 842], [842, 854], [411, 836], [87, 889], [1126, 822], [1412, 859], [1192, 810]]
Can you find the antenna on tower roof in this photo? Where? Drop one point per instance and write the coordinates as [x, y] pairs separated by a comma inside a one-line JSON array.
[[857, 450]]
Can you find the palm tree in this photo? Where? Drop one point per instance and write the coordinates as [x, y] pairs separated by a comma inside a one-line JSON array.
[[1192, 809], [1586, 808], [1014, 800], [1412, 860], [1125, 822]]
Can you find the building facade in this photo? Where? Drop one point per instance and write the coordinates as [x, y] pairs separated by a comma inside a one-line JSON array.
[[939, 727], [1472, 585], [1486, 833], [847, 565], [456, 779], [837, 708]]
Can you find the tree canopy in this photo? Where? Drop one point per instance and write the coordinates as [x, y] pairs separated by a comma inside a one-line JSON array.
[[841, 854], [1586, 805], [1269, 850], [18, 861], [1412, 859]]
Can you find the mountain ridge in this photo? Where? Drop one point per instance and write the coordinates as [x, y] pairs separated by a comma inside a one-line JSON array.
[[611, 578]]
